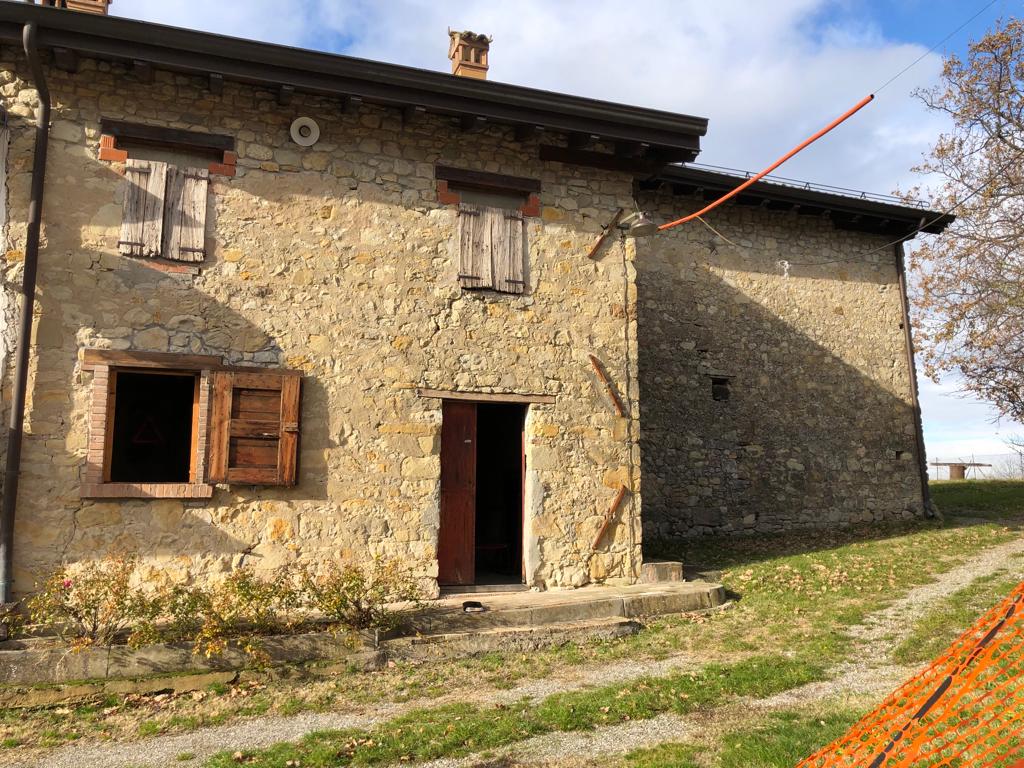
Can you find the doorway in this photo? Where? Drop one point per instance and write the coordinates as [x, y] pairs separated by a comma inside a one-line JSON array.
[[482, 484]]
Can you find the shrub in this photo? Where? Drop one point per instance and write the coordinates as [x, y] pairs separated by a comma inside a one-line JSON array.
[[358, 597], [91, 603], [98, 603], [11, 620], [242, 607]]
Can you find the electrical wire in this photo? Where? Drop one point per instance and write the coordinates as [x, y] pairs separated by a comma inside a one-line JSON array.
[[859, 256], [931, 50], [810, 140], [948, 212], [758, 176]]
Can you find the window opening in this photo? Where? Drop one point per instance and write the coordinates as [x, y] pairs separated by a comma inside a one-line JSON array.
[[153, 430]]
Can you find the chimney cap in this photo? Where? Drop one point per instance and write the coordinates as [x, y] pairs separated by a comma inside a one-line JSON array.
[[470, 36], [468, 53]]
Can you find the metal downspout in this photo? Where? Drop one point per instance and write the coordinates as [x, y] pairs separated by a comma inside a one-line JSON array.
[[922, 459], [16, 426]]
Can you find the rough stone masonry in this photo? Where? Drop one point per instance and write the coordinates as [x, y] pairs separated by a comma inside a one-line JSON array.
[[338, 260]]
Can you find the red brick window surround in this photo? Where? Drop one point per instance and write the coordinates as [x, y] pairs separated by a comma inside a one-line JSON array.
[[165, 425], [452, 182], [117, 138]]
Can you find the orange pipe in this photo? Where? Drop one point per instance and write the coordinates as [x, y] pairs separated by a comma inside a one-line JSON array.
[[798, 148]]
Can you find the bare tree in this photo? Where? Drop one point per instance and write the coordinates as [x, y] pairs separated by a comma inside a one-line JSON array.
[[969, 284]]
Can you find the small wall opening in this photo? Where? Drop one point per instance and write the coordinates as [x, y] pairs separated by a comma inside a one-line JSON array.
[[720, 388], [153, 428], [499, 493]]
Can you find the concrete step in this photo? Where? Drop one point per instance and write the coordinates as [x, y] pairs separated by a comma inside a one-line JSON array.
[[533, 609], [474, 589]]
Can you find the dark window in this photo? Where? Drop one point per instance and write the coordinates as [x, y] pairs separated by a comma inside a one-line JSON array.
[[152, 430], [720, 388]]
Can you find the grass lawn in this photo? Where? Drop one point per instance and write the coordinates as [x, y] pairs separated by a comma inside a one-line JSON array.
[[794, 595], [990, 498], [934, 631], [461, 729], [779, 740]]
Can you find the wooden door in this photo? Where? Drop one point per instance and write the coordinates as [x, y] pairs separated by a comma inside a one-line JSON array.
[[457, 538]]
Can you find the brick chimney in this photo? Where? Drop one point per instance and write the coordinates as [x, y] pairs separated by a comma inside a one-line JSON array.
[[468, 52], [98, 7]]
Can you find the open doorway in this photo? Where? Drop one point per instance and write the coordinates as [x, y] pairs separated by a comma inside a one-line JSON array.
[[482, 463]]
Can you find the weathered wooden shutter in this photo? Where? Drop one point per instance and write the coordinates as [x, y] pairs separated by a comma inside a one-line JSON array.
[[254, 427], [185, 214], [474, 248], [143, 213], [507, 250]]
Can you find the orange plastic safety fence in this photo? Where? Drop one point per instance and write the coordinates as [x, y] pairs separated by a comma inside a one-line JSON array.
[[965, 709]]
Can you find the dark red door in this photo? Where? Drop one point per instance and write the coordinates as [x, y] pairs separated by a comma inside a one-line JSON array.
[[457, 538]]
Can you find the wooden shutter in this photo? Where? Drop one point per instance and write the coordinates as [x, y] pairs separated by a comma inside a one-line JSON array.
[[474, 247], [507, 249], [254, 427], [143, 213], [185, 214]]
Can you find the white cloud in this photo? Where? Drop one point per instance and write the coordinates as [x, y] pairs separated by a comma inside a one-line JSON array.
[[766, 74]]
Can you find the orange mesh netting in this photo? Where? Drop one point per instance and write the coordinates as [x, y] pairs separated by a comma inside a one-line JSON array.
[[965, 709]]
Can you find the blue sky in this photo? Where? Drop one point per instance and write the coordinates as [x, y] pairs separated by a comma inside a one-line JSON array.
[[767, 74]]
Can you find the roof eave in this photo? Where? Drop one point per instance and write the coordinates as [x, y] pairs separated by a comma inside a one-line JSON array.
[[202, 53], [847, 212]]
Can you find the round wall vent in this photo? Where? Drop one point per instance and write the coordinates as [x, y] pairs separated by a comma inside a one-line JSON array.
[[305, 131]]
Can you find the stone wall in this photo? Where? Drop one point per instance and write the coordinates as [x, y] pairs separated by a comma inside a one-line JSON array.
[[805, 323], [336, 260]]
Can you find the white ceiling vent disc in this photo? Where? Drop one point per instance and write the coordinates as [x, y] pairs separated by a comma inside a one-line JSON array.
[[305, 131]]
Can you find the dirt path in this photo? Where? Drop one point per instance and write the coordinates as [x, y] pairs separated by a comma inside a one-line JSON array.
[[264, 731], [868, 674]]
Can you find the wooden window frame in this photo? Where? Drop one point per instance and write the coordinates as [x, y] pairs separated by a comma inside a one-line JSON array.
[[106, 364]]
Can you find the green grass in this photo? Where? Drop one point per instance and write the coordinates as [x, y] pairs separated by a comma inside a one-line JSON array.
[[149, 728], [665, 756], [784, 739], [989, 498], [799, 593], [184, 757], [460, 729], [934, 631], [780, 740]]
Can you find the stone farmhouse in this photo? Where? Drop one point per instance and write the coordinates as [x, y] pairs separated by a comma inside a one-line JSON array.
[[288, 305]]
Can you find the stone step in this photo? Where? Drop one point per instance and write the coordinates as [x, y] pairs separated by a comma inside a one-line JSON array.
[[509, 639], [661, 571], [589, 604]]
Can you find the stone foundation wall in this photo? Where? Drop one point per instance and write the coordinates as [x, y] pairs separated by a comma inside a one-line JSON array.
[[818, 429], [336, 260]]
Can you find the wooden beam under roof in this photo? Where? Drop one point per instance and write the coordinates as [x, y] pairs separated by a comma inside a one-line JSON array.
[[65, 59], [143, 71]]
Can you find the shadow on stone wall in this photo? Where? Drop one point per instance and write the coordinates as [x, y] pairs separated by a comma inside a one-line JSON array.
[[90, 297], [804, 438]]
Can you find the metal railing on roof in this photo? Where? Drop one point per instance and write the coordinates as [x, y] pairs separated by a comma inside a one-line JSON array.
[[799, 184]]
